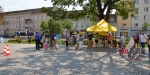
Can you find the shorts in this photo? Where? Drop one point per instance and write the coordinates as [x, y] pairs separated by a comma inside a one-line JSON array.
[[67, 43], [136, 41], [80, 44], [109, 42], [77, 41], [96, 41], [53, 43], [114, 41], [121, 43]]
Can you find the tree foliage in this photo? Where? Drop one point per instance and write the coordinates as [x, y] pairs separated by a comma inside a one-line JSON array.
[[51, 26], [145, 26], [94, 8], [2, 16], [54, 26], [44, 26], [67, 24]]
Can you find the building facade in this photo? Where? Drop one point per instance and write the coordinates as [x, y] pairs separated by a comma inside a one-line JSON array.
[[20, 21], [133, 25], [143, 14]]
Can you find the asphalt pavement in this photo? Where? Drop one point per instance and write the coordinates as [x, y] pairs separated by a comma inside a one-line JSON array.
[[25, 60]]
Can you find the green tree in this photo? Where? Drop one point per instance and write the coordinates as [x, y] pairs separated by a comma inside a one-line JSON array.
[[54, 26], [51, 26], [2, 17], [67, 24], [145, 26], [44, 26], [94, 8]]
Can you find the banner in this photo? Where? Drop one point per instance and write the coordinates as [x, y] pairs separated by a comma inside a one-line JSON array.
[[128, 47]]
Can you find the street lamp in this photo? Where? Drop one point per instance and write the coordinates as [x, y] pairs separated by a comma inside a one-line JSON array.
[[19, 26]]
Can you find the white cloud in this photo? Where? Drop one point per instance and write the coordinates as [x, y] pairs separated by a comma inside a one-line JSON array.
[[11, 8]]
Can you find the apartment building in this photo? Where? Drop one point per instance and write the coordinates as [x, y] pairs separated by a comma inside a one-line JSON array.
[[133, 25], [20, 21], [143, 9]]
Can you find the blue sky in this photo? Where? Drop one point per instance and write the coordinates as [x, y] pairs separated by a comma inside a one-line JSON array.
[[13, 5]]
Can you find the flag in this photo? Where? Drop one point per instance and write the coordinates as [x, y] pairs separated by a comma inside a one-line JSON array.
[[128, 47]]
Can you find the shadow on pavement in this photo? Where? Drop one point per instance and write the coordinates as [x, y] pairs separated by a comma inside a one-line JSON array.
[[44, 62]]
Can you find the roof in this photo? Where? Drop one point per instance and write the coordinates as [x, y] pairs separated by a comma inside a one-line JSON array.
[[36, 10]]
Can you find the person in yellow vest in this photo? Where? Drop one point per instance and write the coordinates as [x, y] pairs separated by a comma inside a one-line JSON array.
[[96, 39]]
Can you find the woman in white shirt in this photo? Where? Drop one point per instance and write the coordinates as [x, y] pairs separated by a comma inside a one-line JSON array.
[[143, 39]]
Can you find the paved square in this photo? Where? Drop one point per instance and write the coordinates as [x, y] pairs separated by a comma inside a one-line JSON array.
[[25, 60]]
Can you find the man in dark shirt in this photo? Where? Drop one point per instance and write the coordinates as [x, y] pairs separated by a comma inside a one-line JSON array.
[[53, 40], [37, 40]]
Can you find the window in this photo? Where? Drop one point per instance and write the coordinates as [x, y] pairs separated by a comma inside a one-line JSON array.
[[47, 17], [135, 24], [87, 24], [146, 17], [112, 19], [37, 17], [136, 1], [82, 25], [146, 9], [76, 25], [42, 17], [123, 18], [136, 17], [123, 25], [146, 1], [137, 10]]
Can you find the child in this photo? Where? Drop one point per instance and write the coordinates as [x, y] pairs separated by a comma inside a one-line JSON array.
[[56, 43], [45, 41], [81, 42]]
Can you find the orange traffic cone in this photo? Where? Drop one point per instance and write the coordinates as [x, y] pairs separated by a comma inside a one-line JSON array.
[[5, 48], [7, 52]]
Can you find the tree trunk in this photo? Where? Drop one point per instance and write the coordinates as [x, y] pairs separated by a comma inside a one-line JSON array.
[[108, 10], [100, 10]]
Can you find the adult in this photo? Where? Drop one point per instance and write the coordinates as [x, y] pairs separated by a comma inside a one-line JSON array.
[[148, 43], [122, 41], [109, 39], [90, 40], [53, 40], [96, 39], [77, 40], [37, 40], [136, 40], [143, 39]]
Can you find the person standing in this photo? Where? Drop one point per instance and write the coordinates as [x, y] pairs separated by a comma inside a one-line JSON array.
[[122, 41], [53, 40], [90, 41], [136, 40], [81, 42], [77, 40], [109, 39], [96, 39], [143, 39], [148, 43], [67, 42], [45, 41], [37, 40]]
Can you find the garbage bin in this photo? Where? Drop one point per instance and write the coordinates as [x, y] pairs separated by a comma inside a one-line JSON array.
[[1, 39]]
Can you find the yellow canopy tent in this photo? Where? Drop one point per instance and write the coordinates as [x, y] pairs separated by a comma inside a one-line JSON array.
[[101, 33], [102, 26]]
